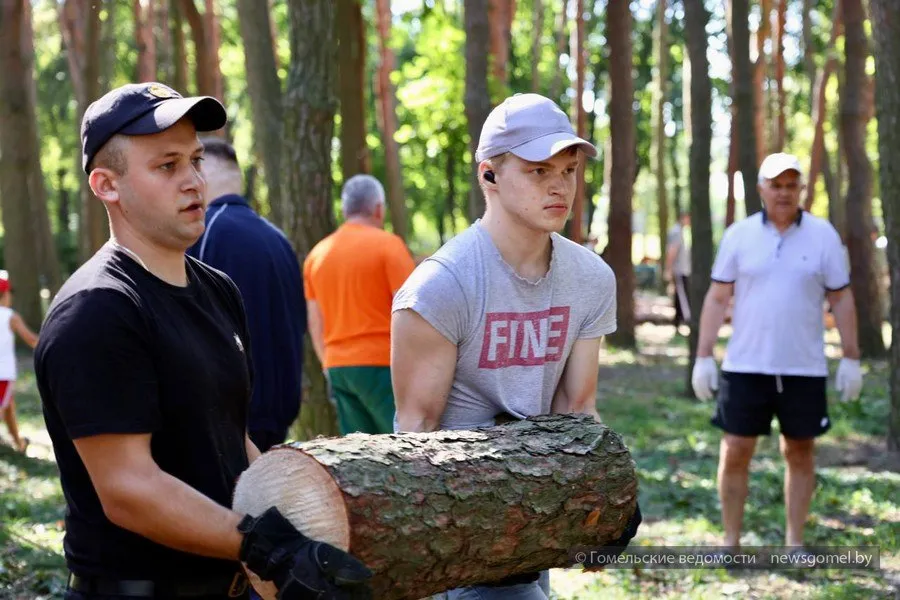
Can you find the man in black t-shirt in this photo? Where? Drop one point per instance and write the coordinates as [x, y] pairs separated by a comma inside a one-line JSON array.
[[145, 376]]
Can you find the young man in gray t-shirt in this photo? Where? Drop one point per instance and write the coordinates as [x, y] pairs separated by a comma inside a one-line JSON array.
[[506, 319]]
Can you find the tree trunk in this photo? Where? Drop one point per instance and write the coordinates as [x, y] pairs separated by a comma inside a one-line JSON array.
[[62, 204], [264, 89], [477, 99], [80, 26], [885, 19], [739, 34], [179, 54], [854, 118], [44, 242], [21, 181], [696, 19], [781, 124], [733, 150], [430, 512], [536, 44], [596, 167], [810, 65], [837, 211], [386, 101], [309, 111], [450, 201], [213, 36], [577, 227], [622, 134], [561, 23], [204, 33], [500, 19], [352, 68], [759, 80], [109, 58], [164, 45], [273, 33], [146, 43], [819, 108], [675, 153], [659, 101]]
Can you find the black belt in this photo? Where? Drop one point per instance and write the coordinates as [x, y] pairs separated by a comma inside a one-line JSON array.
[[233, 587]]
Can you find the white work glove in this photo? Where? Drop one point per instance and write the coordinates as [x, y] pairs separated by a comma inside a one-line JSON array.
[[849, 379], [705, 377]]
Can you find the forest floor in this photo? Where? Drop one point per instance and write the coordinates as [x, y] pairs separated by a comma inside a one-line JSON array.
[[641, 396]]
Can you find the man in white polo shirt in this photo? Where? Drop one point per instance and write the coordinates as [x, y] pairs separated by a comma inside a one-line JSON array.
[[780, 264]]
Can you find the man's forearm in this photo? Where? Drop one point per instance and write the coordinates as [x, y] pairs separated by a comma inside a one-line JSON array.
[[318, 343], [587, 408], [169, 512], [417, 423], [711, 319], [844, 311], [252, 451], [587, 405]]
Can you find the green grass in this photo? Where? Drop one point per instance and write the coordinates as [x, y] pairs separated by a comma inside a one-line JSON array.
[[31, 507], [675, 449]]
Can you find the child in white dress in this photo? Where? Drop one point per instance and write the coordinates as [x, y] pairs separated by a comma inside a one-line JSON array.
[[11, 321]]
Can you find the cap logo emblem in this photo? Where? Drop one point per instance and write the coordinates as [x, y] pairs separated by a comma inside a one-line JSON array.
[[159, 91]]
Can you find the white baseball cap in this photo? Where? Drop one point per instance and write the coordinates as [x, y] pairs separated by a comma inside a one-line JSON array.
[[775, 164], [530, 126]]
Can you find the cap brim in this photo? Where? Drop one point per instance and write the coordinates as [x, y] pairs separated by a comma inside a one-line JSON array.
[[551, 144], [205, 112], [775, 172]]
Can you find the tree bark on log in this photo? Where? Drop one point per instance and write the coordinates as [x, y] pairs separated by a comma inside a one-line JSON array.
[[434, 511]]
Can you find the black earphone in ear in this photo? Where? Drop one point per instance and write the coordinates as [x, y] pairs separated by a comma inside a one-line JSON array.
[[489, 176]]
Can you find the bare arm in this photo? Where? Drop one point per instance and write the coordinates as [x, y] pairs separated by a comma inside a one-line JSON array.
[[423, 363], [139, 496], [252, 451], [715, 306], [671, 253], [843, 308], [577, 389], [18, 325], [316, 329]]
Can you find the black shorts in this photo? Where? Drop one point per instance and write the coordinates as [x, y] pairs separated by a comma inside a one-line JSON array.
[[748, 401]]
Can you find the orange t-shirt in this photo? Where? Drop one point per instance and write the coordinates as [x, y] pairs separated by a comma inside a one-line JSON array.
[[353, 275]]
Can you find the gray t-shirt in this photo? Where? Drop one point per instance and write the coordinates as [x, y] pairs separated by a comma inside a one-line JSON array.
[[682, 263], [513, 336]]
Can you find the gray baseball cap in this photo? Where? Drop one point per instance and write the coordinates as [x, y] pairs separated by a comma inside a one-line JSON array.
[[530, 126]]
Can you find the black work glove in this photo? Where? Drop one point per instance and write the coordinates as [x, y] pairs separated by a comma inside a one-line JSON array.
[[631, 528], [607, 554], [301, 568]]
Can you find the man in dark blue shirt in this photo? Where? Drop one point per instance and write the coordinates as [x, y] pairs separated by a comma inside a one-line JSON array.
[[260, 260]]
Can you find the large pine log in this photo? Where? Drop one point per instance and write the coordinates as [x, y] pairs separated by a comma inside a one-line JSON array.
[[432, 511]]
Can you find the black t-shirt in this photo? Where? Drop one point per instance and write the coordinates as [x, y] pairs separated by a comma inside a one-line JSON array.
[[122, 351]]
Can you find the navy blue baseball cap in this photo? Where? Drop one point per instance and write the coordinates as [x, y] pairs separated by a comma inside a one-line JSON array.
[[142, 109]]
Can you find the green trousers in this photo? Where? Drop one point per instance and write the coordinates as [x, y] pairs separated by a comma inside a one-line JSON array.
[[364, 399]]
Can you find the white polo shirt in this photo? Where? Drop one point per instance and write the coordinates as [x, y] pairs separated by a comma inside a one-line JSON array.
[[780, 281]]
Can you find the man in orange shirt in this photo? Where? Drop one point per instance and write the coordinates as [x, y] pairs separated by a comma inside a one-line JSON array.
[[349, 280]]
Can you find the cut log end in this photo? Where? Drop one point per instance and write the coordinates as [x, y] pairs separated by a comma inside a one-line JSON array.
[[319, 511], [430, 512]]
